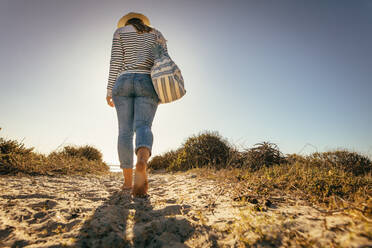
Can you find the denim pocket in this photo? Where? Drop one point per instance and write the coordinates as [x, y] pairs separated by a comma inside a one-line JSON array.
[[145, 87], [120, 83]]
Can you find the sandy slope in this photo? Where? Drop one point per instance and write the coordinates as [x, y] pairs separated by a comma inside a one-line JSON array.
[[184, 210]]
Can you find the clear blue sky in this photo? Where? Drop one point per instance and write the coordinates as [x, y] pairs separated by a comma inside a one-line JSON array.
[[289, 72]]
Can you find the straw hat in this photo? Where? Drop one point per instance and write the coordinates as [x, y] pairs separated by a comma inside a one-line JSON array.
[[131, 15]]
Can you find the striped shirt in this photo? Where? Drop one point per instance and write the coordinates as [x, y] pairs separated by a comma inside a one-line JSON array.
[[131, 53]]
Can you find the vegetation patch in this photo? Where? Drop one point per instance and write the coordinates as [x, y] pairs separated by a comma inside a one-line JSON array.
[[16, 158], [208, 149], [334, 179]]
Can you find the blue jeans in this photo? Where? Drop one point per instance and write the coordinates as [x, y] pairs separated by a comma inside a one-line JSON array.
[[135, 102]]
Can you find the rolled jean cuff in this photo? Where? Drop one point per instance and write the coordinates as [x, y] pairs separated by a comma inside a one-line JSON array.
[[139, 146], [126, 166]]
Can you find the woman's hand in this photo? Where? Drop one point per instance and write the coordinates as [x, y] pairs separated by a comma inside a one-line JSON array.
[[110, 102]]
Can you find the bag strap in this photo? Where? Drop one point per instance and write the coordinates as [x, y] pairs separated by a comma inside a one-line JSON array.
[[159, 38], [159, 48]]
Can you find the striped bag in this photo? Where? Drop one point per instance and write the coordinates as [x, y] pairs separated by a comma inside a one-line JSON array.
[[166, 76]]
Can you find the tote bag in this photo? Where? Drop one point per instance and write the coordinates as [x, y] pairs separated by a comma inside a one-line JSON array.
[[166, 76]]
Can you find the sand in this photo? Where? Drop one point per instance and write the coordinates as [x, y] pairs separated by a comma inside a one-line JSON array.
[[183, 210]]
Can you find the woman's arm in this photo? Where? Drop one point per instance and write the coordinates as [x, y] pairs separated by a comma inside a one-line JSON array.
[[116, 62]]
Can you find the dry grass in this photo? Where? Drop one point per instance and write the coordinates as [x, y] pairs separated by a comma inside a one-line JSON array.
[[256, 192], [333, 179], [16, 158]]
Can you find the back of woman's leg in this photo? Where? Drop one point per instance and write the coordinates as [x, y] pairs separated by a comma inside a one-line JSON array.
[[124, 107], [145, 109]]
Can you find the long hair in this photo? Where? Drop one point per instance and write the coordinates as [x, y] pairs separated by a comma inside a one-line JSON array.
[[139, 25]]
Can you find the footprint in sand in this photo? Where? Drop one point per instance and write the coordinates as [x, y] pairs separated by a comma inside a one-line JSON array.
[[4, 233], [43, 205], [38, 218]]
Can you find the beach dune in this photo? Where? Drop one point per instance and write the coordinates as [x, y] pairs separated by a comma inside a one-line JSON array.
[[184, 210]]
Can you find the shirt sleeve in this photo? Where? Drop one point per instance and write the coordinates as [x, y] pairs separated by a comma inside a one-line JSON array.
[[116, 62]]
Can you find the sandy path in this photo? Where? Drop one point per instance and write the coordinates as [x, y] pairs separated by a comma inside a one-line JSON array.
[[184, 210]]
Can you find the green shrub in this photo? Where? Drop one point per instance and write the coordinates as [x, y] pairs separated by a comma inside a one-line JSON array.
[[262, 154], [295, 158], [342, 159], [8, 148], [236, 158], [205, 149], [88, 152], [163, 161]]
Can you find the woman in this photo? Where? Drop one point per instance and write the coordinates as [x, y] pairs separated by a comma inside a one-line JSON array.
[[131, 92]]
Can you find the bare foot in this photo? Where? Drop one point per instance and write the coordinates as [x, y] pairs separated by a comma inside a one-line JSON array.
[[125, 187], [140, 186], [127, 172]]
